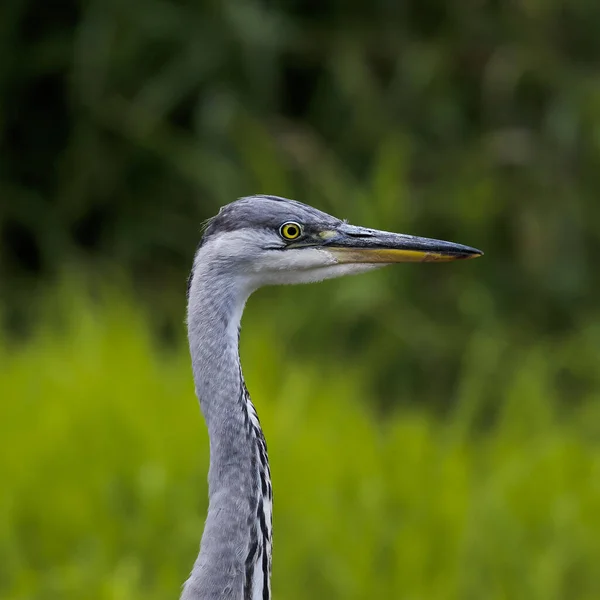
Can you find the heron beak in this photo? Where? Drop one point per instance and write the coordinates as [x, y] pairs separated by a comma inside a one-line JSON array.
[[350, 244]]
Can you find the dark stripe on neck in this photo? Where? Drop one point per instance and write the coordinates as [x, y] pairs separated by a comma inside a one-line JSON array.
[[249, 567], [265, 558], [265, 570]]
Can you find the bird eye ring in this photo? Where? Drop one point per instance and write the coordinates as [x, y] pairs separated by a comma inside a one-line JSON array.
[[290, 230]]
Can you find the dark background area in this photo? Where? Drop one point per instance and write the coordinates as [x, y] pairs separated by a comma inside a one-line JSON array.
[[124, 125]]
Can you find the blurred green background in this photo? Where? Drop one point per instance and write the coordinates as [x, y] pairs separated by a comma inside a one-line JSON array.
[[434, 430]]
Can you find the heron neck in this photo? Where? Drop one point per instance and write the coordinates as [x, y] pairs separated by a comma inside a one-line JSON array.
[[214, 315], [236, 443]]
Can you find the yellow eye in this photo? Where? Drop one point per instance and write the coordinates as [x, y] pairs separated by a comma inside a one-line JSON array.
[[290, 230]]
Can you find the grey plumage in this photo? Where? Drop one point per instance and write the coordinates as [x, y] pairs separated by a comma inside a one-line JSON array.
[[266, 212], [243, 248]]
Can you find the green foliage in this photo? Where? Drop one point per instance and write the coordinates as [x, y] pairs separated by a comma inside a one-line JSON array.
[[433, 428], [124, 124], [104, 458]]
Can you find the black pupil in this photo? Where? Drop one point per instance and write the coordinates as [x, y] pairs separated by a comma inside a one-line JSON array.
[[292, 230]]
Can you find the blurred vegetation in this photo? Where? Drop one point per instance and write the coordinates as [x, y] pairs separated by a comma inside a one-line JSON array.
[[124, 124], [105, 456], [438, 434]]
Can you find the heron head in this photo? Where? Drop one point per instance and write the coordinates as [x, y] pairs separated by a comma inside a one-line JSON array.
[[266, 240]]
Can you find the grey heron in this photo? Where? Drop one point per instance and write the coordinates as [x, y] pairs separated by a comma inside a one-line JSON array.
[[252, 242]]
